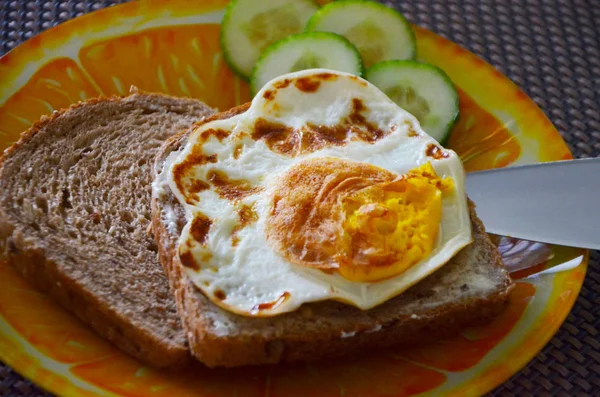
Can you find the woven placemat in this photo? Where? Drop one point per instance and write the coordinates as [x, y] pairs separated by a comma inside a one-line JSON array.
[[551, 49]]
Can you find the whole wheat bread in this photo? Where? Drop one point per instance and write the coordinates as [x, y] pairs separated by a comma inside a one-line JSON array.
[[471, 288], [75, 211]]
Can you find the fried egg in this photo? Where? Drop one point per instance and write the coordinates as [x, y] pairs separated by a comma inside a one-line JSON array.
[[322, 189]]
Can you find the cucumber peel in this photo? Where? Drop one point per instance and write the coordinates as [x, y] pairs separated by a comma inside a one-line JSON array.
[[423, 90], [309, 50], [380, 33], [249, 27]]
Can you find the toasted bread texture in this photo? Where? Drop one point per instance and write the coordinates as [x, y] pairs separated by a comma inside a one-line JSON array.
[[75, 211], [472, 288]]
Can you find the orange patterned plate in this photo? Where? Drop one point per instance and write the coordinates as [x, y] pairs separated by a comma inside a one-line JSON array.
[[172, 46]]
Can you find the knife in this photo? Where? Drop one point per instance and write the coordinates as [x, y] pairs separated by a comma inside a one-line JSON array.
[[556, 202]]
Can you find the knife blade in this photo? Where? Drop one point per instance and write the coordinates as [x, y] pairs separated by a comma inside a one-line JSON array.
[[556, 202]]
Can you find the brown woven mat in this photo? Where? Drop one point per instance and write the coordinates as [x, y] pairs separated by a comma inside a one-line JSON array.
[[551, 49]]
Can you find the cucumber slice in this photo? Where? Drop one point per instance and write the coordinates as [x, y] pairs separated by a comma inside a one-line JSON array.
[[423, 90], [250, 26], [380, 33], [301, 51]]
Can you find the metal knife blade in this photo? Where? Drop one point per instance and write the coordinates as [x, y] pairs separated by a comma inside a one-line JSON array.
[[557, 202]]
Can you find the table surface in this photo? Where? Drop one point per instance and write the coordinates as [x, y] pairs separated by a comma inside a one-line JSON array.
[[551, 49]]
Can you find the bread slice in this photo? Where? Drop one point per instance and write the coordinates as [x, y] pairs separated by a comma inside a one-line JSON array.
[[75, 211], [471, 288]]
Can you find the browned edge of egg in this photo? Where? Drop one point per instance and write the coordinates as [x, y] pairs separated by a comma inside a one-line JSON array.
[[269, 94], [436, 152], [279, 137], [200, 227], [220, 294], [282, 83], [289, 141], [218, 133], [180, 171], [198, 157], [247, 216], [308, 84], [187, 260], [411, 130], [286, 140], [237, 151], [230, 189], [271, 305]]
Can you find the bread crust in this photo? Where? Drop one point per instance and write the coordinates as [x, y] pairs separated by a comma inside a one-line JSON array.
[[44, 275], [30, 259], [287, 338]]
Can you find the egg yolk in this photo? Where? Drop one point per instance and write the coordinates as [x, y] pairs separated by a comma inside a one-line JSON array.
[[359, 220], [389, 227]]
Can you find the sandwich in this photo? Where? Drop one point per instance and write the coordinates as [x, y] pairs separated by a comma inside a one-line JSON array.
[[317, 223]]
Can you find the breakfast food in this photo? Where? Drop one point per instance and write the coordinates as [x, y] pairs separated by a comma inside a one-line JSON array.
[[345, 36], [74, 217], [423, 90], [316, 221], [323, 189], [380, 33]]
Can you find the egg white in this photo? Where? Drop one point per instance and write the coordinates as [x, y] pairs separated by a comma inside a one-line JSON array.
[[251, 272]]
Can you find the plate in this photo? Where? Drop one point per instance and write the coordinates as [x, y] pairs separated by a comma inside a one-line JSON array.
[[173, 47]]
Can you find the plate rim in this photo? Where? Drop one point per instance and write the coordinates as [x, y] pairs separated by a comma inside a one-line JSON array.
[[23, 369]]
